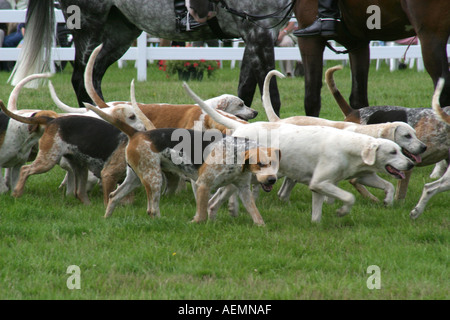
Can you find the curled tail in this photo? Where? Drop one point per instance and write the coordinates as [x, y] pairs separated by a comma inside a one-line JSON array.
[[345, 107], [267, 103], [435, 102], [88, 79], [216, 116], [12, 101], [35, 54]]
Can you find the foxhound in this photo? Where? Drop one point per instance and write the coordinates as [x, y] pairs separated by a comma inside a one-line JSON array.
[[16, 138], [399, 132], [86, 142], [320, 156], [429, 129], [442, 184], [208, 157]]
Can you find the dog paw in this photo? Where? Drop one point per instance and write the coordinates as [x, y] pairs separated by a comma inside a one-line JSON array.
[[415, 213], [343, 211]]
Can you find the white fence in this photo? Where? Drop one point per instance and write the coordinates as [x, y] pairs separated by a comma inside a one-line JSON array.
[[142, 52]]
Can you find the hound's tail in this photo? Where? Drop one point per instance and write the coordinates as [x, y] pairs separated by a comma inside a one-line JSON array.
[[39, 120], [267, 103], [88, 79], [35, 54], [119, 124], [12, 102], [345, 107], [64, 107], [435, 102], [216, 116]]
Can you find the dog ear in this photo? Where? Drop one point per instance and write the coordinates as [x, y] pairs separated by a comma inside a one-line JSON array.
[[369, 153], [222, 104]]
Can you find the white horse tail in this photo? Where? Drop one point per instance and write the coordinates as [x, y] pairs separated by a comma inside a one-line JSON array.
[[216, 116], [37, 44], [267, 104]]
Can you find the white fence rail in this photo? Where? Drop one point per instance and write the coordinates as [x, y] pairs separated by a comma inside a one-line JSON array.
[[142, 52]]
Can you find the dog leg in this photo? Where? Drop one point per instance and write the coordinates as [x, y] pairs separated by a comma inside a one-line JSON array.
[[249, 203], [152, 181], [439, 169], [317, 204], [69, 178], [372, 180], [329, 189], [130, 183], [402, 186], [429, 190], [81, 174], [221, 195], [363, 191], [3, 186], [286, 188], [44, 162], [201, 213]]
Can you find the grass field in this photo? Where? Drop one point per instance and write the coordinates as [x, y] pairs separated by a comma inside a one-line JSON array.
[[131, 256]]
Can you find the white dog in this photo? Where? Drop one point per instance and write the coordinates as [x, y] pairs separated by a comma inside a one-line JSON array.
[[320, 157]]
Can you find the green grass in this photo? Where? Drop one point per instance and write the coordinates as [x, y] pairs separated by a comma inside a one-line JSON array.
[[131, 256]]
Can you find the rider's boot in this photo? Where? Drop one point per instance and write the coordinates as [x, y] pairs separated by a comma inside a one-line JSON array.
[[326, 23]]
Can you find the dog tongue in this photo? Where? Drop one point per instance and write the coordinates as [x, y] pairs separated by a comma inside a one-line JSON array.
[[267, 187], [396, 173], [417, 158]]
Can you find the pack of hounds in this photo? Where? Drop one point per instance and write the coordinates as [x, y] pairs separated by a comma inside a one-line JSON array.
[[124, 144]]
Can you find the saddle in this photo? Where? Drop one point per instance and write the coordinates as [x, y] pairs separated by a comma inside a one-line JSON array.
[[184, 21]]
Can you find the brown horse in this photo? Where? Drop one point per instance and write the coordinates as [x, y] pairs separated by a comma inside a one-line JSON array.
[[430, 20]]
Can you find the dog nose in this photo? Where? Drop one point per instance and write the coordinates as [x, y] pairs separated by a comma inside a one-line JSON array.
[[255, 113], [424, 148], [271, 180]]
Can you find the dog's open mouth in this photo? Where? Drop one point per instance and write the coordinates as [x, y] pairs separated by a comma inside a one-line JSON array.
[[413, 157], [395, 172], [267, 187]]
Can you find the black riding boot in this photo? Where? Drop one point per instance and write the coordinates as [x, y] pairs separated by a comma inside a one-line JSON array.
[[181, 15], [326, 22]]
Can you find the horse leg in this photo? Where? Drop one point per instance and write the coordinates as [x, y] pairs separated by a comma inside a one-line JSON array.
[[116, 33], [434, 52], [359, 63], [258, 60], [311, 50]]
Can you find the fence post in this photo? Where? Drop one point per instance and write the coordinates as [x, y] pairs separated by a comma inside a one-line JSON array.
[[142, 57]]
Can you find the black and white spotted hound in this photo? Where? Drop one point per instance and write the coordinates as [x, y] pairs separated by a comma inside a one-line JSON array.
[[429, 128], [209, 158]]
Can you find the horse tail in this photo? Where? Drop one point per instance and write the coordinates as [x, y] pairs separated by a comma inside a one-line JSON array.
[[35, 54], [435, 102], [345, 107], [216, 116], [39, 120], [119, 124], [12, 101], [267, 104]]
